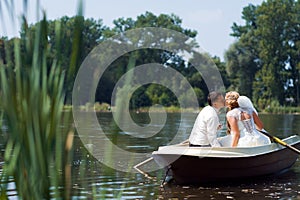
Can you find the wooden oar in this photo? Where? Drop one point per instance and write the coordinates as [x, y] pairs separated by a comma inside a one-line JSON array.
[[136, 167], [279, 141]]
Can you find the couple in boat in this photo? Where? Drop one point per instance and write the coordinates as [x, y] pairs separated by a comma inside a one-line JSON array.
[[242, 119]]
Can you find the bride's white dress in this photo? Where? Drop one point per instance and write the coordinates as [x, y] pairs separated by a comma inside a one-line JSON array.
[[249, 136]]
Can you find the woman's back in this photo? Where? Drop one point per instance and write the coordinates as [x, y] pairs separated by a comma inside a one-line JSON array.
[[244, 118], [249, 136]]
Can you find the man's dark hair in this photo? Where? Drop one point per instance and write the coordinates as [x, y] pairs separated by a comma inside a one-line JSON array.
[[212, 97]]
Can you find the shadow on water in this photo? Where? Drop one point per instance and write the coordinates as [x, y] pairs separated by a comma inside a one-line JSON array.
[[280, 186]]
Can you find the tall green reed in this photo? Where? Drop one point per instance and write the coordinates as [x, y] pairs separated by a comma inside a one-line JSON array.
[[38, 152]]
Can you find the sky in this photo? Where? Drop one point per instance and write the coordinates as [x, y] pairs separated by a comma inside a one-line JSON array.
[[212, 19]]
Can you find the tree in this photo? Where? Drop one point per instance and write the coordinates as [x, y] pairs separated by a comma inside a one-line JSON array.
[[266, 52], [241, 68], [274, 23], [242, 61], [222, 69], [156, 93], [140, 99], [2, 50], [86, 36]]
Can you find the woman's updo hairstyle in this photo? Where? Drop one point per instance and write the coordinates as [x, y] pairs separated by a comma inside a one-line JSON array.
[[231, 99]]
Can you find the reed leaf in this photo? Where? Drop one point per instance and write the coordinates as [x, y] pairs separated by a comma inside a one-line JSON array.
[[36, 156]]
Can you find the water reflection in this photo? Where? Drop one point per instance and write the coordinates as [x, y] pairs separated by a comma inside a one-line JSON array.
[[138, 187], [91, 178], [281, 125], [284, 186], [100, 182]]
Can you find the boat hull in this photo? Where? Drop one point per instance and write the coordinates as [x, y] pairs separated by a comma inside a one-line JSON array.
[[197, 169]]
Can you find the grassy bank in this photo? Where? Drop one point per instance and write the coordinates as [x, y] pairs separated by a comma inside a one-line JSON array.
[[104, 107], [282, 110]]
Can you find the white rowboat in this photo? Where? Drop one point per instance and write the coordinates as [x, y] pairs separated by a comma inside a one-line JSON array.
[[207, 164]]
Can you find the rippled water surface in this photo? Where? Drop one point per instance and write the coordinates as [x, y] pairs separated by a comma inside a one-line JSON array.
[[92, 178]]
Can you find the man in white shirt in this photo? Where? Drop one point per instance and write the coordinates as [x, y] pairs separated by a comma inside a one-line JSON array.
[[204, 132]]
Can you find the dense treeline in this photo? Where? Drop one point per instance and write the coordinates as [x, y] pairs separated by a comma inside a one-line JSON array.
[[263, 63]]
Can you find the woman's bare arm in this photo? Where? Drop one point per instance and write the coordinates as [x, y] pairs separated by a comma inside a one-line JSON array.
[[257, 121], [234, 130]]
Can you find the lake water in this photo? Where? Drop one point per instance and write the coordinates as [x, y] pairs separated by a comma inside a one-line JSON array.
[[92, 178]]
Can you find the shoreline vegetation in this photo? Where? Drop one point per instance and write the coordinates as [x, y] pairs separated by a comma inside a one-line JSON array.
[[262, 63], [105, 107]]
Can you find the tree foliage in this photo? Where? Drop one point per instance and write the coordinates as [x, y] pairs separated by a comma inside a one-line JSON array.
[[264, 61]]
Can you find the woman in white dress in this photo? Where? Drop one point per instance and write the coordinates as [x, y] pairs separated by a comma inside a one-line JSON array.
[[242, 123]]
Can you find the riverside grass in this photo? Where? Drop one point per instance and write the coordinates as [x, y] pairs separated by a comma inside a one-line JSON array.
[[38, 152]]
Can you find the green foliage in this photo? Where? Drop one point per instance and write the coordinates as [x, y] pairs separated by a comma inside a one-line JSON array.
[[241, 68], [150, 94], [222, 69], [32, 99], [162, 95], [88, 35], [38, 150], [140, 98], [263, 63], [202, 98], [274, 107], [186, 99]]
